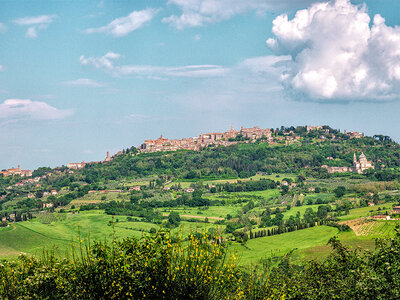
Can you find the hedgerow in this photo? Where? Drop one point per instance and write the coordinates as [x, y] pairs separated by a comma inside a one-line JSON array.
[[161, 266]]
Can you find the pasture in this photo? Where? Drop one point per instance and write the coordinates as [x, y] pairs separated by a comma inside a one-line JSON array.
[[279, 245], [58, 231]]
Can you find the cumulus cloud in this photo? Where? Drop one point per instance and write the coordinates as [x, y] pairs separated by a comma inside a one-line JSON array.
[[23, 109], [125, 25], [83, 82], [201, 12], [106, 62], [336, 54], [35, 23]]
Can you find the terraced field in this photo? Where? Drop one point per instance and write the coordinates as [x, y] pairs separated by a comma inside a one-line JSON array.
[[373, 228]]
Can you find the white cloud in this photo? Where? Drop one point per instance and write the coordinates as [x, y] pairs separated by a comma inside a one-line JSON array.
[[3, 28], [125, 25], [44, 19], [23, 109], [200, 12], [2, 68], [35, 24], [336, 54], [247, 87], [32, 32], [106, 63], [84, 82]]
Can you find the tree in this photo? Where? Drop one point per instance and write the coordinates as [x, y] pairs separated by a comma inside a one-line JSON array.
[[322, 212], [301, 178], [339, 191], [174, 219], [285, 189]]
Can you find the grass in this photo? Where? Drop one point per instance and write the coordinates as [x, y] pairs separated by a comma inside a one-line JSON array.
[[278, 245], [380, 228], [212, 211], [33, 236], [365, 211], [186, 184], [293, 211], [322, 196], [349, 239]]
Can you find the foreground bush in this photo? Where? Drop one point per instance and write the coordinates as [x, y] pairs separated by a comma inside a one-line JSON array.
[[152, 267], [159, 267]]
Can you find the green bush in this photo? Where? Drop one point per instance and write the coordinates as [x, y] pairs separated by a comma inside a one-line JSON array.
[[161, 266]]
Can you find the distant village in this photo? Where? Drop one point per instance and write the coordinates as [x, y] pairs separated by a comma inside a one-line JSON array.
[[208, 139], [246, 135], [215, 139]]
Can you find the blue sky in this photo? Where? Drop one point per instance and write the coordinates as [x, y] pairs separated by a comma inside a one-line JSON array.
[[77, 80]]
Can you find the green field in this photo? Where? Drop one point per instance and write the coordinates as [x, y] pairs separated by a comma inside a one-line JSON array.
[[293, 211], [32, 236], [378, 229], [364, 212], [212, 211], [278, 245]]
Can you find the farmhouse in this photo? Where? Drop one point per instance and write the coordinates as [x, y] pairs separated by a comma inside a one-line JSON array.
[[381, 217], [135, 188], [396, 210]]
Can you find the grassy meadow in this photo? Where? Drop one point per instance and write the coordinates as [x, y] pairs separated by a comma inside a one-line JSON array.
[[33, 236], [278, 245]]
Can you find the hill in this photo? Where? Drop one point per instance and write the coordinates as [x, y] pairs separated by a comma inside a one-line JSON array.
[[254, 191]]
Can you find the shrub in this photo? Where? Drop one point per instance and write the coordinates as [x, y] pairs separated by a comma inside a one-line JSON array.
[[151, 267]]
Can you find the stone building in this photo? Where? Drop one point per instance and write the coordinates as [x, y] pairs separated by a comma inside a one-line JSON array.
[[108, 157], [359, 166], [354, 134], [205, 139], [76, 166], [16, 171], [362, 164]]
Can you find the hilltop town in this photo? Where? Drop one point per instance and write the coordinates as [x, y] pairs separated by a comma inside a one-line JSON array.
[[231, 137], [283, 135]]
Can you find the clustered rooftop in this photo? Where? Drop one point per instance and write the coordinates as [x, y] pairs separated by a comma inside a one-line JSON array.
[[206, 139]]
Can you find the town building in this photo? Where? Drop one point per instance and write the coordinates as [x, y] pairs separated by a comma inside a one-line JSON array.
[[205, 139], [354, 134], [108, 157], [311, 128], [16, 172], [76, 166], [396, 210], [359, 166]]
